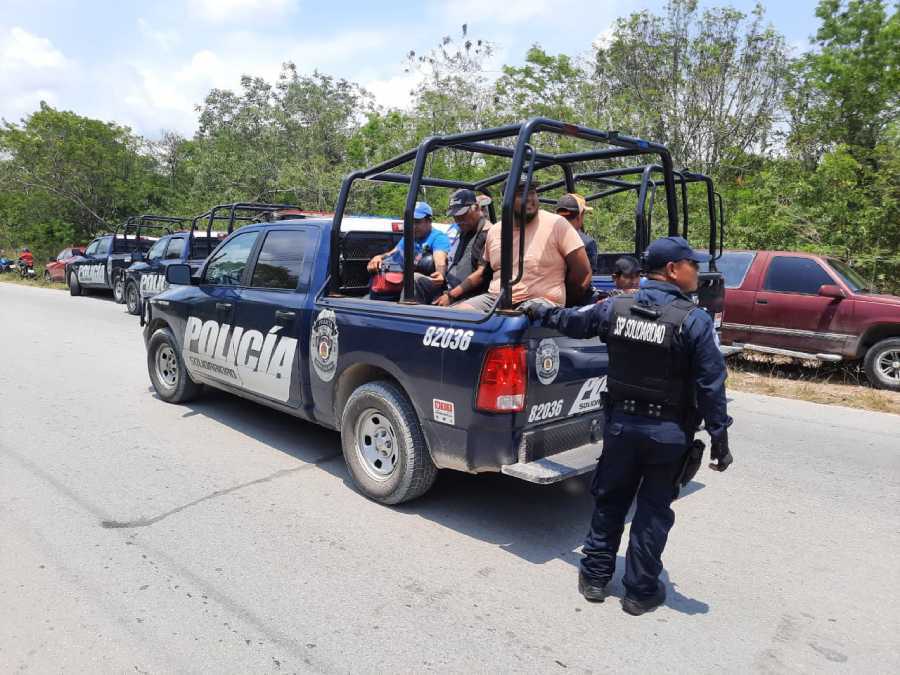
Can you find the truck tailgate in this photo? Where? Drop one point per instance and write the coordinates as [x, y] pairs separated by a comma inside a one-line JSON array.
[[563, 418]]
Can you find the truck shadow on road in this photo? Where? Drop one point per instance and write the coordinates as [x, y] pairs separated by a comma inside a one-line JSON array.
[[537, 523]]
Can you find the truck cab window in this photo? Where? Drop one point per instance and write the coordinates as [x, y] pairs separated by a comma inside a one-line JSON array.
[[103, 246], [156, 250], [175, 249], [227, 266], [281, 260], [788, 274], [92, 248]]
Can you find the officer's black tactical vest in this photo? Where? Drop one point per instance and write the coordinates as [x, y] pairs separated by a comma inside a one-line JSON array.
[[643, 366]]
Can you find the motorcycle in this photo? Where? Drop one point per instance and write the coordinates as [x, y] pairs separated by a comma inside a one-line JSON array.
[[25, 269]]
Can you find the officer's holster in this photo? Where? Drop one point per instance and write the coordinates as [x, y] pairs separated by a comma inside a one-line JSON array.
[[691, 464]]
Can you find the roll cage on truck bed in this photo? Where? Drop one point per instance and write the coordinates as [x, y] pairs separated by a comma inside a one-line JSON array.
[[146, 275], [411, 388]]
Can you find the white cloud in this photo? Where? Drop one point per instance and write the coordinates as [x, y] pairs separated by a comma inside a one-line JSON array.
[[221, 11], [604, 38], [163, 39], [496, 11], [31, 70], [394, 92]]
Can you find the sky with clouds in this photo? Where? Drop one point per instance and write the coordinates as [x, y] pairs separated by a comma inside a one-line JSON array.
[[147, 64]]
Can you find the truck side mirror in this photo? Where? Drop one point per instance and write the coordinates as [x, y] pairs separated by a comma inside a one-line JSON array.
[[178, 275], [831, 291]]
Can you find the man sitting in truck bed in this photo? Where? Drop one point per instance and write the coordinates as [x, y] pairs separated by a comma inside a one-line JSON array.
[[427, 240], [466, 254], [556, 265]]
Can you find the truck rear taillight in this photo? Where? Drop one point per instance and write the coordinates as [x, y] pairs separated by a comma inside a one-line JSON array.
[[504, 378]]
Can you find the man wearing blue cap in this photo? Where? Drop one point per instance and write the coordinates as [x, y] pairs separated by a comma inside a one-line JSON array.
[[665, 375], [428, 242]]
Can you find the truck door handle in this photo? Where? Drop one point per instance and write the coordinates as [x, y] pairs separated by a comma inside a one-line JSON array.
[[284, 315], [224, 306], [762, 302]]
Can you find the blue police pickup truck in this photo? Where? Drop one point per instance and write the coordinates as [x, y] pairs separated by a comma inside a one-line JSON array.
[[277, 315], [105, 260], [146, 276]]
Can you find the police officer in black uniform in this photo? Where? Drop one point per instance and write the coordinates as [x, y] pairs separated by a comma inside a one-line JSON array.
[[666, 374]]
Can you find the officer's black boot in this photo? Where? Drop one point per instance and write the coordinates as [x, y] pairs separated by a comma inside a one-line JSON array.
[[638, 606], [591, 591]]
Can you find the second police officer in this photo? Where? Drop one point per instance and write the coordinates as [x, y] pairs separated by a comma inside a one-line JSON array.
[[665, 375]]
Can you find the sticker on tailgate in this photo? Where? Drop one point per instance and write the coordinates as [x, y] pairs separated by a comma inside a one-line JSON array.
[[590, 397]]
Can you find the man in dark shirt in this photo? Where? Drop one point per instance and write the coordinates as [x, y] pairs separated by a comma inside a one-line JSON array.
[[466, 255], [665, 375], [573, 208]]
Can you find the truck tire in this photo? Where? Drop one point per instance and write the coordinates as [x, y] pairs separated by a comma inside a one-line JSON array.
[[170, 378], [384, 446], [882, 364], [74, 286], [119, 290], [132, 298]]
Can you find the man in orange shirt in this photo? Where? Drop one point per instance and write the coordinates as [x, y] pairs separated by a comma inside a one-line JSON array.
[[556, 265]]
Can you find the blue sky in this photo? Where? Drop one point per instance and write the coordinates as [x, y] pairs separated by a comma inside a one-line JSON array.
[[146, 64]]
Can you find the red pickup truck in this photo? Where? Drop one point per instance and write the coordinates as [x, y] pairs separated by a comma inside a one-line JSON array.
[[809, 306]]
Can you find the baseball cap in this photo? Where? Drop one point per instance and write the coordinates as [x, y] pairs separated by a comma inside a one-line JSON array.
[[627, 266], [573, 203], [423, 210], [461, 201], [671, 249]]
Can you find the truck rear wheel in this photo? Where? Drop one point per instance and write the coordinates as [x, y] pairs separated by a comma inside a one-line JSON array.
[[119, 290], [132, 298], [74, 286], [384, 446], [170, 378], [882, 364]]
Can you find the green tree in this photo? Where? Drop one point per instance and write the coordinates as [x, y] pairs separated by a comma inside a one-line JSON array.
[[707, 84]]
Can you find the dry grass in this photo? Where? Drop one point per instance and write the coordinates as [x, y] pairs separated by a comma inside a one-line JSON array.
[[14, 278], [831, 383]]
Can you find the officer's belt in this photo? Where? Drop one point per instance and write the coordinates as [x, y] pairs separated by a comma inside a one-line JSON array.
[[659, 411]]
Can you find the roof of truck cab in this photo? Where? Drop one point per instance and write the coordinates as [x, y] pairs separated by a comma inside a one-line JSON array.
[[352, 224]]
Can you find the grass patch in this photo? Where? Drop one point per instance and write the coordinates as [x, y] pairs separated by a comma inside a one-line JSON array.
[[14, 278], [830, 383]]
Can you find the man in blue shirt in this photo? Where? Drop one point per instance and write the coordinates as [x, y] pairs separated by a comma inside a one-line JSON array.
[[665, 375], [428, 243]]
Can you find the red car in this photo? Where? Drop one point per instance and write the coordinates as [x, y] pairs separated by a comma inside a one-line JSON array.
[[810, 306], [55, 270]]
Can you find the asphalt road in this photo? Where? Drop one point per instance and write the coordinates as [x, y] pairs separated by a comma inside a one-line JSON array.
[[138, 536]]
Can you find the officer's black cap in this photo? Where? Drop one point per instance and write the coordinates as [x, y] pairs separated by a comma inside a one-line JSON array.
[[671, 249]]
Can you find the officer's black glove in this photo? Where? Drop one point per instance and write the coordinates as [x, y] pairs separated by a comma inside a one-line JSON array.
[[537, 308], [720, 453]]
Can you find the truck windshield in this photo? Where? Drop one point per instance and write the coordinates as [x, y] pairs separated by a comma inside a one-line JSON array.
[[851, 277]]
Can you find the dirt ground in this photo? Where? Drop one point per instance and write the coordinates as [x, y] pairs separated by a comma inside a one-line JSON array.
[[831, 383]]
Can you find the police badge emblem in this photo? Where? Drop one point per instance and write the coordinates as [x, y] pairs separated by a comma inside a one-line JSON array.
[[547, 361], [323, 345]]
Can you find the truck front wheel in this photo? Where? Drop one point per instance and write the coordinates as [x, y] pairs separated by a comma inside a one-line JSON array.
[[384, 446], [74, 286], [132, 298], [119, 290], [167, 372], [882, 364]]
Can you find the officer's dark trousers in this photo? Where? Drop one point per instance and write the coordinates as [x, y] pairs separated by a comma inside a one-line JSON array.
[[641, 458]]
